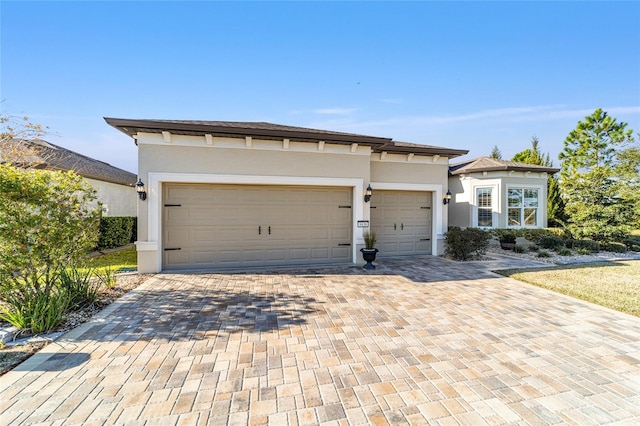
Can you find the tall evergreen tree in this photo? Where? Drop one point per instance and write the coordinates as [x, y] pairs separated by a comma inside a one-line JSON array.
[[597, 162], [495, 153]]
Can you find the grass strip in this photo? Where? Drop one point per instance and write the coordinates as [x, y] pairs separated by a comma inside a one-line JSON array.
[[615, 285]]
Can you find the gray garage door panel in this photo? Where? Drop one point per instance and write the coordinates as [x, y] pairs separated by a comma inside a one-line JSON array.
[[402, 221], [241, 225]]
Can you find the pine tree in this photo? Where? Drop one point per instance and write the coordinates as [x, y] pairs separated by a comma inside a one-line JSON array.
[[597, 164]]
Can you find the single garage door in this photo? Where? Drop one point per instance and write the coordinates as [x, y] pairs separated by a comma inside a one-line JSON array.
[[213, 226], [402, 222]]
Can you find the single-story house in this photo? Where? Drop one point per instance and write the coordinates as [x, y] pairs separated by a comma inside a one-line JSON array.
[[494, 193], [236, 194], [115, 188], [219, 194]]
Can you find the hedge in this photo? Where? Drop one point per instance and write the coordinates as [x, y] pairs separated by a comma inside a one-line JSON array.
[[116, 232], [466, 244]]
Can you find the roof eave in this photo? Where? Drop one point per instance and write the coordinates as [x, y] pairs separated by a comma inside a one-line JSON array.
[[430, 151], [462, 171], [132, 127]]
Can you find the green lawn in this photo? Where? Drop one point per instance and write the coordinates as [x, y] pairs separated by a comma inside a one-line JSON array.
[[113, 261], [615, 285]]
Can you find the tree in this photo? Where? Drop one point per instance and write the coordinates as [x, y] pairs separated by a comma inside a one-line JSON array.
[[47, 225], [495, 153], [597, 163], [15, 135], [629, 171], [533, 155], [555, 204]]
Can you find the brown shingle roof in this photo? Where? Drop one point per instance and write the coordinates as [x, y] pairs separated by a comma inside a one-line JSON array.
[[488, 164], [45, 155], [275, 131]]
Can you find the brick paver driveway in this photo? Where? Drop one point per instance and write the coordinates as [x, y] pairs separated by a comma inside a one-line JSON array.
[[417, 341]]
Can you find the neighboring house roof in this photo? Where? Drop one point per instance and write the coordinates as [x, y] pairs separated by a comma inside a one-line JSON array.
[[488, 164], [274, 131], [41, 154]]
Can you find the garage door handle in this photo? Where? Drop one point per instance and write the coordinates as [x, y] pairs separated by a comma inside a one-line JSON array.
[[425, 239], [259, 230], [269, 230], [173, 205], [172, 249], [344, 245], [402, 226], [394, 227]]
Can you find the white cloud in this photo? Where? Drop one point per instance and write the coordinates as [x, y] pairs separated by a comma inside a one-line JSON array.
[[505, 115], [335, 111], [391, 101]]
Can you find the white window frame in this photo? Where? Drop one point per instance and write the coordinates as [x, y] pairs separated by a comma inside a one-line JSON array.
[[494, 203], [542, 203]]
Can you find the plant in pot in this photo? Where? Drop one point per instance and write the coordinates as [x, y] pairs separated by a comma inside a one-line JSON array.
[[507, 240], [369, 251]]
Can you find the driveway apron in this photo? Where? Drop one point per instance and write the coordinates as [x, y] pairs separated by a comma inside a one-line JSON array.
[[417, 341]]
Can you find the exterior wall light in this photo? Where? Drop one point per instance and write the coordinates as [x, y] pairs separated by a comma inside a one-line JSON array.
[[447, 198], [367, 194], [142, 193]]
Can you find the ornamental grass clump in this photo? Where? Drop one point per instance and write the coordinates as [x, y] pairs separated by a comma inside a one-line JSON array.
[[370, 239]]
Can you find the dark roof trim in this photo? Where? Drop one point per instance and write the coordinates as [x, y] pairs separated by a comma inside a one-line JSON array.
[[409, 148], [275, 131], [228, 128]]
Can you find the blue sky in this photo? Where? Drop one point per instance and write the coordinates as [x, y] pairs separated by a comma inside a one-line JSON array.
[[467, 75]]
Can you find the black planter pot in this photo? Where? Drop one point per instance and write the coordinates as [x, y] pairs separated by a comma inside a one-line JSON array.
[[369, 255]]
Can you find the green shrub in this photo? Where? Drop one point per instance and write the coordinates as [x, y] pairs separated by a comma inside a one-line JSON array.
[[116, 232], [589, 246], [134, 231], [502, 233], [536, 234], [563, 251], [519, 249], [632, 243], [81, 289], [544, 253], [551, 242], [583, 251], [613, 247], [534, 248], [47, 223], [466, 244]]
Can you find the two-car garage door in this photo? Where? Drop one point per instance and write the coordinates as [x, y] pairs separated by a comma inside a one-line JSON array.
[[213, 226]]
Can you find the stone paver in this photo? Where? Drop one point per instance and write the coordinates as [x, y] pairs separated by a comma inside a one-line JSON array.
[[416, 341]]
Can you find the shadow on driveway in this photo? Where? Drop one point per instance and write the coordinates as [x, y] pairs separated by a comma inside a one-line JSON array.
[[197, 313]]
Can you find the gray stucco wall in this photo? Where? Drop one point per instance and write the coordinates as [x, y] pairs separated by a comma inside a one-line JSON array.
[[119, 200]]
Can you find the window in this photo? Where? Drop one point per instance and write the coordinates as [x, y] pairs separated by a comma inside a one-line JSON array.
[[522, 209], [484, 203]]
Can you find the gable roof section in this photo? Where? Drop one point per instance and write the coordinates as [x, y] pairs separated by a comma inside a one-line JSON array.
[[40, 154], [488, 164], [275, 131]]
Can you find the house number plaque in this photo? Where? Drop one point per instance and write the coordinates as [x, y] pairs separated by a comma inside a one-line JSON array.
[[363, 224]]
